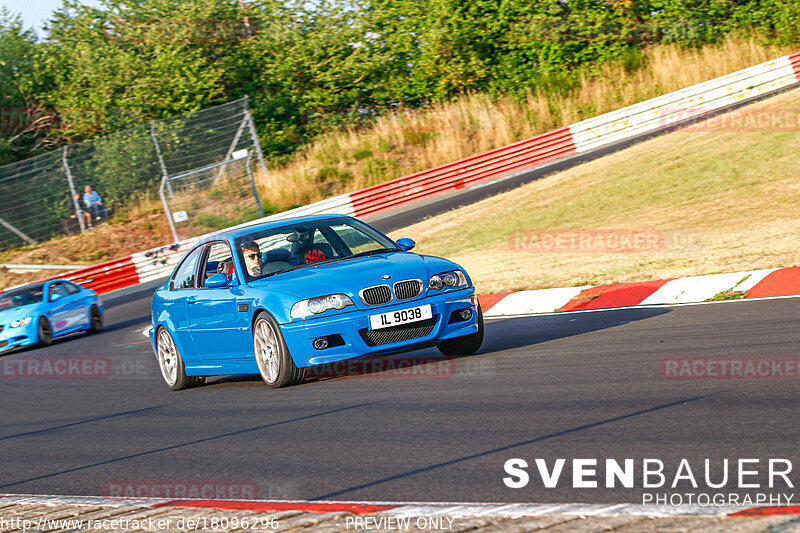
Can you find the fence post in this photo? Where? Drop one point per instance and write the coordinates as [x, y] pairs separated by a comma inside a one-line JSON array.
[[252, 128], [253, 185], [72, 193], [236, 138], [164, 178], [16, 231]]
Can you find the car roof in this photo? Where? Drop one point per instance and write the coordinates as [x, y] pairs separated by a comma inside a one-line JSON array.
[[233, 233], [37, 283]]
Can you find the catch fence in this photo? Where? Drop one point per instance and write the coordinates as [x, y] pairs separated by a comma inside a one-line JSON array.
[[44, 196]]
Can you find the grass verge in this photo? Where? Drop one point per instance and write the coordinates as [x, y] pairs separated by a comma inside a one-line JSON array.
[[720, 196]]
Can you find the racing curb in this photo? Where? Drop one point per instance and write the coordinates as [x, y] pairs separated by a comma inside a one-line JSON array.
[[763, 283], [452, 509]]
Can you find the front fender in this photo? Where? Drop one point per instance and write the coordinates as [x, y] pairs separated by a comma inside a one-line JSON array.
[[276, 303], [164, 321]]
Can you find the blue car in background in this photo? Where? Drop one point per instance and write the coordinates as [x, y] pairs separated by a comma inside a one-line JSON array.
[[278, 297], [36, 314]]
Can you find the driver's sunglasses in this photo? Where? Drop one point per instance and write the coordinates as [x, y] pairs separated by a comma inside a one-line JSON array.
[[252, 257]]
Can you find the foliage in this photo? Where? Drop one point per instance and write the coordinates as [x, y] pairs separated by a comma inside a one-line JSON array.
[[310, 67]]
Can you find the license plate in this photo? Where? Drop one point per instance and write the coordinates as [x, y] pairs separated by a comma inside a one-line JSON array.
[[403, 316]]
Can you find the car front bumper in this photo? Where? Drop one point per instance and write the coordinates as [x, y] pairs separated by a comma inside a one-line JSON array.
[[299, 336], [18, 337]]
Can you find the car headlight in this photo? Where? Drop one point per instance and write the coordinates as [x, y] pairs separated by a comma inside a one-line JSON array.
[[453, 278], [315, 306], [21, 322]]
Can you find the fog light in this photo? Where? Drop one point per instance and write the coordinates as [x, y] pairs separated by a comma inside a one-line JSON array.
[[466, 313], [321, 343]]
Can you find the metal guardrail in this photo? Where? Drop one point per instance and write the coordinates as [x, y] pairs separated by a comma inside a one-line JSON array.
[[40, 267]]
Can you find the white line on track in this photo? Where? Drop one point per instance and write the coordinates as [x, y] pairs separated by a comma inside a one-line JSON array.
[[653, 306]]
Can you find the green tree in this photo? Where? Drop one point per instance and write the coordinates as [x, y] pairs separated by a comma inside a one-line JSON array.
[[17, 88]]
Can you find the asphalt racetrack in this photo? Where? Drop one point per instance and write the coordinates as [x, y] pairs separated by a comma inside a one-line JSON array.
[[580, 385]]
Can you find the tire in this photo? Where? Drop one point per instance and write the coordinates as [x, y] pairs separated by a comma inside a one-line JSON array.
[[45, 333], [171, 364], [466, 345], [95, 319], [274, 362]]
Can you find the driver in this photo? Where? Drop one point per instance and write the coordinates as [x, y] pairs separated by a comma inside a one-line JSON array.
[[252, 258]]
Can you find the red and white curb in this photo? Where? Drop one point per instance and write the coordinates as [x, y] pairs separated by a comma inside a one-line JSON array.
[[411, 509], [693, 289]]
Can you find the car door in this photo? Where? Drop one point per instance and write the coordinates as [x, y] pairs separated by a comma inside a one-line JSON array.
[[183, 288], [79, 308], [219, 327], [63, 306]]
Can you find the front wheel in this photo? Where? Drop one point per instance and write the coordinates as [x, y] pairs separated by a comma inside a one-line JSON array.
[[274, 362], [45, 333], [466, 345], [171, 363]]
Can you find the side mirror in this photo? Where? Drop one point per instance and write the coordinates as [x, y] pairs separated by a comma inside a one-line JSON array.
[[217, 281], [406, 244], [54, 297]]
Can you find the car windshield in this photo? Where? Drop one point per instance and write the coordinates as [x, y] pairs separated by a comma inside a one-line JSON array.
[[19, 297], [294, 246]]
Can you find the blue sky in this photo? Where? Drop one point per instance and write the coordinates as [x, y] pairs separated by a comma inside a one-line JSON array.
[[35, 12]]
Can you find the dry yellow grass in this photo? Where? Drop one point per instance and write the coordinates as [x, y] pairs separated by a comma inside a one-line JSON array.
[[724, 198], [410, 141]]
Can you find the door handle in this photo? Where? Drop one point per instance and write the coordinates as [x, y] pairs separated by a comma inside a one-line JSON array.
[[191, 300]]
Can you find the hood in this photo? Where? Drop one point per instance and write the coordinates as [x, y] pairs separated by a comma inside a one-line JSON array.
[[350, 276], [9, 315]]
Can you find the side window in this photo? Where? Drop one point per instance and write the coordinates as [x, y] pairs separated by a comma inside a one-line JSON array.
[[184, 277], [218, 261], [71, 289], [57, 288]]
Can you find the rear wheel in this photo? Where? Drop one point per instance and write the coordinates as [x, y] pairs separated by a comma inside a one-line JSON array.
[[466, 345], [95, 319], [45, 333], [274, 362], [171, 363]]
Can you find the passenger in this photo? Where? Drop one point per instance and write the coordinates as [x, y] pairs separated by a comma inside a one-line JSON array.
[[252, 258]]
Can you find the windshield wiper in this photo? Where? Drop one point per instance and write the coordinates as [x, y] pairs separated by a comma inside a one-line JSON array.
[[375, 251]]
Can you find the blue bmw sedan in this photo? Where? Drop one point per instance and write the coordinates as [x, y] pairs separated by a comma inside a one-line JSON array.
[[283, 296], [35, 314]]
